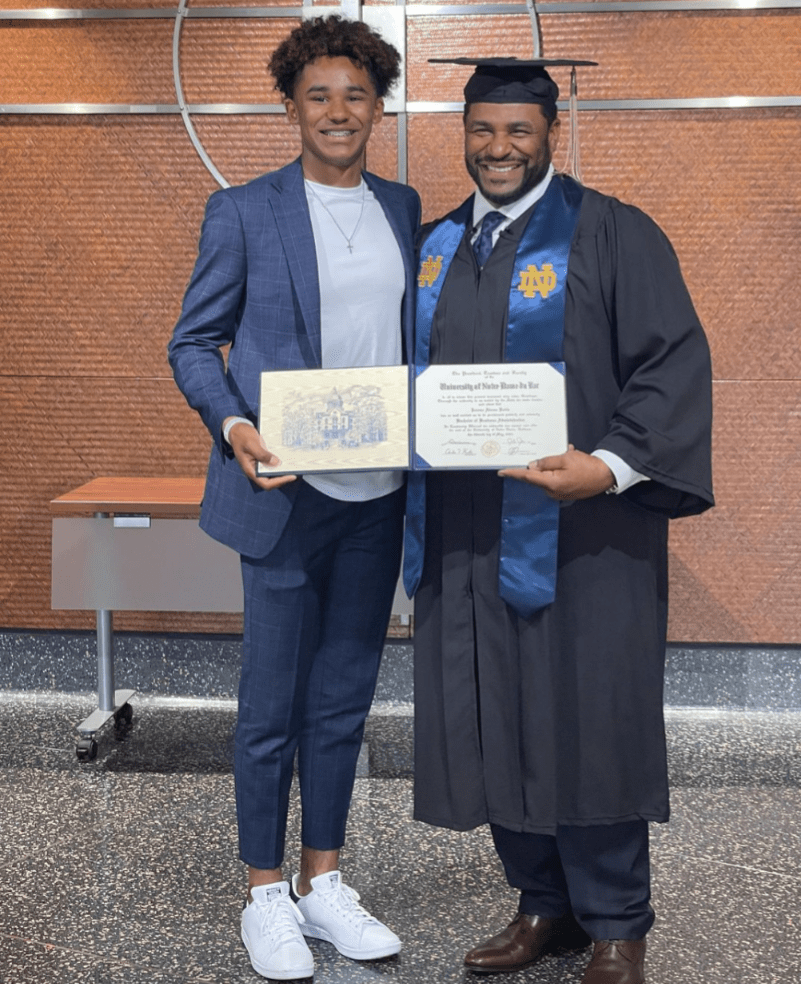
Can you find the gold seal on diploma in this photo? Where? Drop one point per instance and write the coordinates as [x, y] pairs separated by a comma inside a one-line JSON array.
[[490, 448]]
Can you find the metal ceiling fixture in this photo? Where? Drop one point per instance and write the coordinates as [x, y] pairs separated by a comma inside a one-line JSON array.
[[180, 16]]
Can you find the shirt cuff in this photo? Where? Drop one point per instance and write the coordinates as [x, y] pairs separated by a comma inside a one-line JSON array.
[[625, 476]]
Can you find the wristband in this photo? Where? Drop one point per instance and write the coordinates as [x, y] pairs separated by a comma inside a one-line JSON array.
[[231, 422]]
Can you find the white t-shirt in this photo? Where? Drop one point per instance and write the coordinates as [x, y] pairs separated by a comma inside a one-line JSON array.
[[360, 305]]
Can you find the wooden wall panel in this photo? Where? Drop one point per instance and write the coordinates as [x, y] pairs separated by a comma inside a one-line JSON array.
[[736, 571], [90, 289], [226, 61], [726, 187], [85, 4], [644, 56], [119, 61]]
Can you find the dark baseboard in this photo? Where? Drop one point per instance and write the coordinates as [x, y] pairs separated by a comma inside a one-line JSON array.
[[725, 677]]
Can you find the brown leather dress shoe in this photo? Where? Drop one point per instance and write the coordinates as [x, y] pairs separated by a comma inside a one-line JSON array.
[[616, 962], [524, 941]]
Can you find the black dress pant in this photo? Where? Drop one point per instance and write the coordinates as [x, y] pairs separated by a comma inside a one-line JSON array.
[[600, 873]]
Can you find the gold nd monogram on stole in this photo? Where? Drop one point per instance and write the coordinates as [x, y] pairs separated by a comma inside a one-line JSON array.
[[429, 271], [534, 280]]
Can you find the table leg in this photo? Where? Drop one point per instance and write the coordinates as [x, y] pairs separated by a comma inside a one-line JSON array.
[[110, 702], [105, 660]]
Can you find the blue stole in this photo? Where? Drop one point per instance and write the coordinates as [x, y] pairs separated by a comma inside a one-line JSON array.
[[535, 333]]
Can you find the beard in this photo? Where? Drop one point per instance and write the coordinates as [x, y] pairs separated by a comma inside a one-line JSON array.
[[534, 170]]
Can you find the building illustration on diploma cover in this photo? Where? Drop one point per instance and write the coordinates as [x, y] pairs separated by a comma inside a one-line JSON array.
[[318, 421]]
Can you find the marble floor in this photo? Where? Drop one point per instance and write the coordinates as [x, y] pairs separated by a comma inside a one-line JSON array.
[[124, 869]]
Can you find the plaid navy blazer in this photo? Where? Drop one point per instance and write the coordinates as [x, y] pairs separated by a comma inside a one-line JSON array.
[[255, 287]]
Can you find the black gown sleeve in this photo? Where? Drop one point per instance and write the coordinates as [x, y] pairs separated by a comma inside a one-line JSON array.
[[662, 421]]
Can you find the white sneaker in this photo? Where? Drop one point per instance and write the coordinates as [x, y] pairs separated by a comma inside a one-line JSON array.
[[271, 933], [331, 912]]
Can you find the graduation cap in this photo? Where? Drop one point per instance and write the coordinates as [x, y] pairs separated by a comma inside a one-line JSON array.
[[518, 80]]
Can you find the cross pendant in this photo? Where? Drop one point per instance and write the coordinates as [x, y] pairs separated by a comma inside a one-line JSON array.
[[350, 248]]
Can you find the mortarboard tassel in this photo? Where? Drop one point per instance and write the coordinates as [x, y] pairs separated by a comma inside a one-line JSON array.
[[573, 163]]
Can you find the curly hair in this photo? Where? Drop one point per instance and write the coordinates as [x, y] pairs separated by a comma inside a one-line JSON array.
[[335, 37]]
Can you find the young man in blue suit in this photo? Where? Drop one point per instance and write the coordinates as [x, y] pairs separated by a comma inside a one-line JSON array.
[[309, 266]]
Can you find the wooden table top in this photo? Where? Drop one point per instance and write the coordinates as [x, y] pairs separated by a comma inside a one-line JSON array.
[[154, 496]]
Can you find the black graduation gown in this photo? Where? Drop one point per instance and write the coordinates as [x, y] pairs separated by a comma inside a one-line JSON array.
[[558, 718]]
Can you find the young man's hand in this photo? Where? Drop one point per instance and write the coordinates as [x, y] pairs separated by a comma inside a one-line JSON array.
[[249, 449]]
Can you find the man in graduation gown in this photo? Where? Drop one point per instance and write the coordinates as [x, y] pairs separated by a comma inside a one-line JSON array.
[[541, 592]]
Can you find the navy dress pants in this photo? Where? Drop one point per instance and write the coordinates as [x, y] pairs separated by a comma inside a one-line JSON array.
[[601, 873], [315, 620]]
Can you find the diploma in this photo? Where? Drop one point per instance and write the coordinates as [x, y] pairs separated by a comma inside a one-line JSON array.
[[329, 420], [489, 416]]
